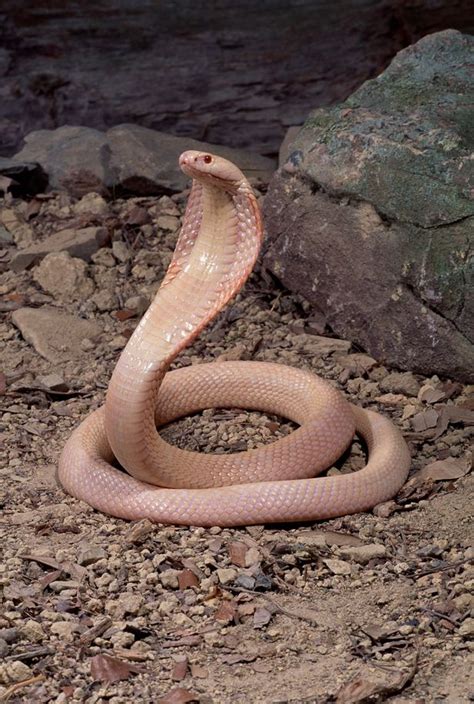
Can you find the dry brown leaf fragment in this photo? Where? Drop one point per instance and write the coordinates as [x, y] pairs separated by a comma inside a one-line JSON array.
[[105, 668], [124, 314], [442, 470], [179, 695], [362, 690], [226, 612], [187, 579], [237, 552], [3, 384], [425, 420], [180, 668]]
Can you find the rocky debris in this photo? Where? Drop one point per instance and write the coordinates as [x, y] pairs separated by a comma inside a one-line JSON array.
[[21, 178], [284, 610], [15, 226], [80, 243], [127, 158], [63, 276], [371, 219], [54, 335]]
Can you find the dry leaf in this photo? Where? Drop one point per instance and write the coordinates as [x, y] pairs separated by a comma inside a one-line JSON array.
[[261, 617], [246, 609], [226, 612], [178, 696], [105, 668], [424, 421], [3, 383], [237, 553], [453, 414], [443, 470], [360, 690], [430, 394], [187, 579], [124, 314], [180, 669]]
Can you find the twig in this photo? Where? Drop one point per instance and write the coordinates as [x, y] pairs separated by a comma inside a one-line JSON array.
[[19, 685], [438, 614], [280, 609]]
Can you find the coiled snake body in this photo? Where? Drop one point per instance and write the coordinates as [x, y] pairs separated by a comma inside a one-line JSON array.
[[216, 250]]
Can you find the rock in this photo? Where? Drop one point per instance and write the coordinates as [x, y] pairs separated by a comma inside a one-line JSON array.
[[14, 671], [127, 158], [337, 566], [91, 204], [364, 553], [27, 178], [226, 575], [170, 578], [129, 603], [105, 300], [33, 631], [78, 243], [120, 251], [379, 189], [398, 383], [65, 630], [21, 232], [55, 336], [286, 145], [64, 277], [90, 554]]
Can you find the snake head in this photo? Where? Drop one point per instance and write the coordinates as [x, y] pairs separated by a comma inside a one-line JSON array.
[[211, 169]]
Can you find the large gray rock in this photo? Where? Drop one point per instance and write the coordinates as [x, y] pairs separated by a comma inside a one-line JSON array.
[[126, 158], [371, 218]]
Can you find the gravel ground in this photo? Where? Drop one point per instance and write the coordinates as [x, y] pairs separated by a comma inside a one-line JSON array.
[[371, 607]]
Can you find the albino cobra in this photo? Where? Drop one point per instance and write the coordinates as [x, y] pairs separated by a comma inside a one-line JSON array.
[[216, 250]]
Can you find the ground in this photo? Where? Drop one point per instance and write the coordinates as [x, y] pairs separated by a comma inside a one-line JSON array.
[[370, 607]]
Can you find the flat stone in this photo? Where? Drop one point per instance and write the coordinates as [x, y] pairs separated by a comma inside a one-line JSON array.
[[63, 276], [90, 554], [337, 566], [364, 553], [78, 243], [55, 336]]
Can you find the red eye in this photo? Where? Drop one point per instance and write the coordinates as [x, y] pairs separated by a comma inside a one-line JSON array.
[[207, 159]]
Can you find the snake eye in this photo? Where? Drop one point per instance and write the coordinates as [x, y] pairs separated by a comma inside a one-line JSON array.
[[207, 159]]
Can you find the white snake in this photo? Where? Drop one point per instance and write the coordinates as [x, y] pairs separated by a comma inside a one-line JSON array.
[[216, 250]]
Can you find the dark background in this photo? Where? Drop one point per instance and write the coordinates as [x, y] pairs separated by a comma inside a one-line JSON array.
[[224, 71]]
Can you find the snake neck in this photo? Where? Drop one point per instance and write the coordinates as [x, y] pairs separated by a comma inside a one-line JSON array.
[[215, 253]]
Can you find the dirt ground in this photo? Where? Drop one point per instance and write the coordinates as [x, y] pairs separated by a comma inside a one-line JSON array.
[[372, 607]]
